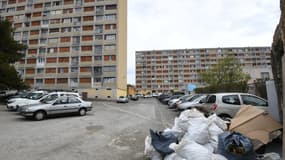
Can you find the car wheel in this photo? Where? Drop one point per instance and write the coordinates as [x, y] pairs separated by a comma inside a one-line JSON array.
[[17, 108], [40, 115], [82, 112]]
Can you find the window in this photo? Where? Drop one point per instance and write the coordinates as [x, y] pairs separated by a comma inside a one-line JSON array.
[[66, 20], [75, 49], [252, 100], [62, 80], [110, 47], [99, 28], [87, 28], [110, 26], [97, 69], [99, 9], [74, 69], [40, 70], [62, 100], [110, 37], [54, 30], [56, 12], [42, 50], [231, 99], [51, 50], [99, 18], [10, 10], [44, 31], [111, 7], [109, 69], [43, 41], [98, 37], [67, 11], [66, 29], [41, 60], [97, 58], [76, 29], [110, 17], [63, 59], [78, 10], [76, 20], [211, 99], [73, 100], [56, 3], [46, 13], [54, 21], [109, 79], [53, 40]]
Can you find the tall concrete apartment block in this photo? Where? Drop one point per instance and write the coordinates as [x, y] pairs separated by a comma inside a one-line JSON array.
[[72, 44], [165, 70]]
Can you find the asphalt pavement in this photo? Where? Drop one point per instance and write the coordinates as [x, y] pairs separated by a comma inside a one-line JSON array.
[[110, 131]]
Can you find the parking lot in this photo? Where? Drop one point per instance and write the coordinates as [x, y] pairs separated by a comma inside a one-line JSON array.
[[110, 131]]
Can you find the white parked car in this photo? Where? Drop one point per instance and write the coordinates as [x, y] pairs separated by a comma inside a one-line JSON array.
[[30, 101], [27, 95], [226, 105], [122, 99], [13, 104], [172, 102], [193, 102]]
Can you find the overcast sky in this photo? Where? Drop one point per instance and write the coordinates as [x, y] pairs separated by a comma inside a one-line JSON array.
[[180, 24]]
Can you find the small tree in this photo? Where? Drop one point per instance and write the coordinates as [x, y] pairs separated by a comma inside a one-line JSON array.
[[9, 54], [226, 75]]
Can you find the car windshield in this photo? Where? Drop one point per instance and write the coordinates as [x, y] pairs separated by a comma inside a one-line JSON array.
[[184, 97], [22, 95], [198, 99], [49, 99], [34, 96], [191, 99]]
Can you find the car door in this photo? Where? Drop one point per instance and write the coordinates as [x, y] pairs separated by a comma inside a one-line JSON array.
[[254, 101], [73, 104], [230, 105], [59, 106]]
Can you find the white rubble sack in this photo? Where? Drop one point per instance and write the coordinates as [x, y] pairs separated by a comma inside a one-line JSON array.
[[218, 157], [271, 156], [186, 117], [149, 150], [218, 121], [191, 150], [198, 131]]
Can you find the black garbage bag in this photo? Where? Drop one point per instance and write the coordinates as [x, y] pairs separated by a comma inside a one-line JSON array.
[[161, 141], [235, 146]]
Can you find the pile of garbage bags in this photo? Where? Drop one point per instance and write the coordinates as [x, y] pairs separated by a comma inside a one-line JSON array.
[[195, 137]]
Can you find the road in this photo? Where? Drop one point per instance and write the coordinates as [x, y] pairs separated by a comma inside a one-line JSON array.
[[110, 131]]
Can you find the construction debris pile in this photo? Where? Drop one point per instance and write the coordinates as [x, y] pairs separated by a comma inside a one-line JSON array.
[[193, 136]]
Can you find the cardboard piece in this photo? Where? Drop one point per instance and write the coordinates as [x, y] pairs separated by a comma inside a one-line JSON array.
[[254, 123]]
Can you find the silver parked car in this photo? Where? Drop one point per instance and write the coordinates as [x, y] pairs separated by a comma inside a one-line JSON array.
[[195, 101], [226, 105], [62, 105]]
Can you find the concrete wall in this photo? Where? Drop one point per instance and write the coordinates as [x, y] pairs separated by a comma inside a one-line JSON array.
[[122, 48]]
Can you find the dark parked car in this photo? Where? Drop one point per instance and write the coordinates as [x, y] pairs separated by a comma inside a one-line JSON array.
[[134, 97]]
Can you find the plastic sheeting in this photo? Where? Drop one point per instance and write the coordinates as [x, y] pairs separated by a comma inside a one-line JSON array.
[[235, 146]]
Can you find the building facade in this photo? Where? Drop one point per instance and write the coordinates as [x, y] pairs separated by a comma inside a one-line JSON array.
[[166, 70], [72, 44]]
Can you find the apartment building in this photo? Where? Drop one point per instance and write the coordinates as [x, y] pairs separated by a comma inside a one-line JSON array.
[[165, 70], [72, 44]]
